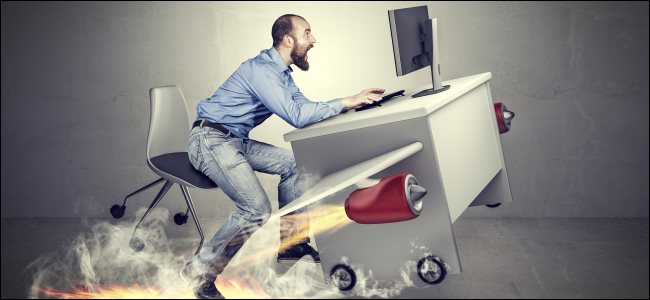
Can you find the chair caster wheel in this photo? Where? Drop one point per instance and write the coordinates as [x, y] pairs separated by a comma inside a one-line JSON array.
[[432, 269], [136, 244], [117, 211], [343, 277], [180, 218]]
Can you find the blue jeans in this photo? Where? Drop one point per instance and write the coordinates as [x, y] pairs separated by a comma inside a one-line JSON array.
[[230, 162]]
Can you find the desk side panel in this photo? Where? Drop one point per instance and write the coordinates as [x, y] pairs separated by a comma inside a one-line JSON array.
[[467, 149], [383, 248], [498, 190]]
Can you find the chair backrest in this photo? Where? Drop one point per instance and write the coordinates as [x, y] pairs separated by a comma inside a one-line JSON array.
[[170, 124]]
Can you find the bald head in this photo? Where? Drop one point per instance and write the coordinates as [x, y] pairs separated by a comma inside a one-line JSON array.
[[283, 26]]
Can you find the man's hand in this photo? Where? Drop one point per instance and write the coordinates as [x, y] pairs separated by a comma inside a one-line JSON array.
[[365, 97]]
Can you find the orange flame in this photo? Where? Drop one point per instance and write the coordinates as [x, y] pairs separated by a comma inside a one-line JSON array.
[[237, 288], [114, 292], [326, 218], [231, 288]]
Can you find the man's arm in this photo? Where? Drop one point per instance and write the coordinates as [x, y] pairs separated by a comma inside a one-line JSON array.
[[293, 107], [268, 87], [364, 97], [299, 97]]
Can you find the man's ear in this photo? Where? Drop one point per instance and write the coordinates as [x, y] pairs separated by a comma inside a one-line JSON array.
[[288, 41]]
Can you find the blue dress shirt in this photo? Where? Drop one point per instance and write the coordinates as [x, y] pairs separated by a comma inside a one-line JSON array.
[[260, 87]]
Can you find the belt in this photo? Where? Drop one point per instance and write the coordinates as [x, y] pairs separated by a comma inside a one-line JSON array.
[[217, 126]]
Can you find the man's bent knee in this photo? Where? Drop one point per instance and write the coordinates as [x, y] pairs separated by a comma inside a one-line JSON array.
[[259, 215], [290, 170]]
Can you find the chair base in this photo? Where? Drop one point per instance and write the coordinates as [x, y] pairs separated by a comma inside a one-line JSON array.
[[137, 244]]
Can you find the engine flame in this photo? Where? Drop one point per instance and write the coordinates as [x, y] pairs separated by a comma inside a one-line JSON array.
[[231, 288], [237, 288], [114, 292], [327, 218]]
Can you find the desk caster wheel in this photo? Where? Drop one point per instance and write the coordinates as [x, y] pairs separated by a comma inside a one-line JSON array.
[[343, 277], [493, 205], [432, 269], [180, 218], [117, 211], [136, 244]]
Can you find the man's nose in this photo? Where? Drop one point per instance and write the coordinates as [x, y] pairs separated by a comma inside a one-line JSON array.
[[313, 39]]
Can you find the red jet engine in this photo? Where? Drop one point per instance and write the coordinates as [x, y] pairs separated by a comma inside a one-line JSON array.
[[394, 199]]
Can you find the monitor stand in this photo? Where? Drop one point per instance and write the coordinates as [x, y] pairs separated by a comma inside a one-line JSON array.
[[431, 48], [430, 91], [437, 85]]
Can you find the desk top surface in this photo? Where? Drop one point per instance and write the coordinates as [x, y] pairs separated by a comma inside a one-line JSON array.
[[398, 109]]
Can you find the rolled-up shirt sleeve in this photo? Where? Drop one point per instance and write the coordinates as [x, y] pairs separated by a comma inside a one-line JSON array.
[[286, 100]]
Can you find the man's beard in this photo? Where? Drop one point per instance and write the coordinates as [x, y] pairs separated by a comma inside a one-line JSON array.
[[299, 56]]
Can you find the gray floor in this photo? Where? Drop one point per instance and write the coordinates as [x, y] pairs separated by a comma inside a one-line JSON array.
[[501, 258]]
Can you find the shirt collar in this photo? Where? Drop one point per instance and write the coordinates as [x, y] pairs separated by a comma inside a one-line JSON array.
[[279, 62]]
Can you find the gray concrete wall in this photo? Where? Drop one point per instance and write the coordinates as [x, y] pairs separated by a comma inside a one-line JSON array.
[[75, 81]]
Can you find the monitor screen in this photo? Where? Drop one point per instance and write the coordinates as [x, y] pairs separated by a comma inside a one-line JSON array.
[[415, 45], [408, 35]]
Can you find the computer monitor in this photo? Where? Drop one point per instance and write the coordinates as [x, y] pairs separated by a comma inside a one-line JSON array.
[[415, 44]]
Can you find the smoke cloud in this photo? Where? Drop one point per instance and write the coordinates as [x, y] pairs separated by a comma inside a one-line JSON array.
[[99, 262]]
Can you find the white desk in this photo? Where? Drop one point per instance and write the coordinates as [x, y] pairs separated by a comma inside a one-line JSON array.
[[460, 164]]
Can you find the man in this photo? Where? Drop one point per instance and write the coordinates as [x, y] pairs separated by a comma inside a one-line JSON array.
[[219, 147]]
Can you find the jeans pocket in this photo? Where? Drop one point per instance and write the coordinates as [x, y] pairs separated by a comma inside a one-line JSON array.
[[214, 138], [194, 152]]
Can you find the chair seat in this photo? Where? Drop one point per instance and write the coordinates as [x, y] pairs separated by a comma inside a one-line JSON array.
[[178, 165]]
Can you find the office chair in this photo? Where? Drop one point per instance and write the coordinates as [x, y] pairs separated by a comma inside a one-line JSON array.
[[167, 156]]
